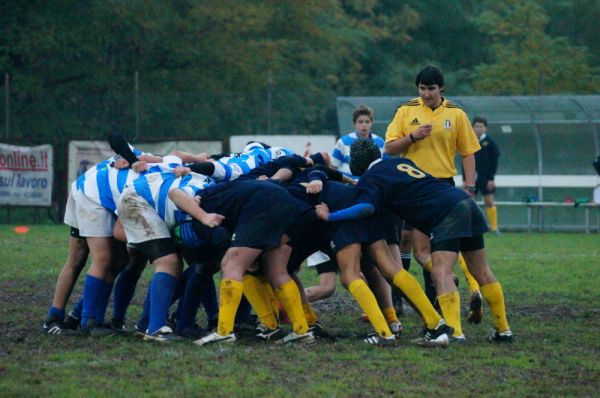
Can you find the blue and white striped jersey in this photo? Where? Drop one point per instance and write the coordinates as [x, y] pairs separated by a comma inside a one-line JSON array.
[[104, 183], [278, 152], [340, 157], [231, 167], [155, 188]]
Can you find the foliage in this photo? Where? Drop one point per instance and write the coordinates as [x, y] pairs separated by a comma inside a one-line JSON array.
[[528, 60], [206, 69]]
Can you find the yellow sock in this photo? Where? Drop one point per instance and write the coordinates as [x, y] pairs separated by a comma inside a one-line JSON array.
[[471, 282], [428, 266], [289, 295], [450, 305], [495, 299], [309, 314], [492, 216], [389, 313], [256, 293], [273, 299], [367, 302], [410, 287], [230, 296]]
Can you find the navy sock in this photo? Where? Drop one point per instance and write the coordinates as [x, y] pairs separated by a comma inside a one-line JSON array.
[[243, 312], [195, 290], [124, 292], [180, 290], [210, 302], [103, 300], [57, 313], [92, 289], [142, 324], [161, 294]]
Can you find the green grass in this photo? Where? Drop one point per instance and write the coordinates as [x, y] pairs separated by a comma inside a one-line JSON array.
[[550, 283]]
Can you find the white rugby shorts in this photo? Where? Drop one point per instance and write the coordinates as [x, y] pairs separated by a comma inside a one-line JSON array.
[[140, 221], [92, 220]]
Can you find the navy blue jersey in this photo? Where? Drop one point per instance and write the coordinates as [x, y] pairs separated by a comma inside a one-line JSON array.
[[338, 196], [400, 186], [297, 185], [270, 168]]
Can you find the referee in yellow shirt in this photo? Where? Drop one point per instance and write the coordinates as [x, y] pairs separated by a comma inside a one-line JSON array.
[[430, 130]]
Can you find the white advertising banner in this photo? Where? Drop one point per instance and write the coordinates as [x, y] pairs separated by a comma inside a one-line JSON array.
[[301, 144], [85, 154], [26, 174]]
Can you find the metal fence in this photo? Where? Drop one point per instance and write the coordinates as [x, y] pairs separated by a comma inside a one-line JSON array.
[[547, 143]]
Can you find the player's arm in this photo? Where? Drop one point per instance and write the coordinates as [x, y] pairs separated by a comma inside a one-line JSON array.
[[337, 155], [397, 141], [316, 181], [468, 163], [187, 157], [286, 166], [359, 210], [189, 205], [118, 144]]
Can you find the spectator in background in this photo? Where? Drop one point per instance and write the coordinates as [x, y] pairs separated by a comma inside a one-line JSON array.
[[486, 164], [362, 117]]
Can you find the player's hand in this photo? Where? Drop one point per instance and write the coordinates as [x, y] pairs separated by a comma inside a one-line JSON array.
[[202, 157], [470, 191], [422, 132], [212, 220], [120, 163], [322, 211], [139, 166], [309, 161], [262, 178], [491, 185], [182, 171], [314, 187]]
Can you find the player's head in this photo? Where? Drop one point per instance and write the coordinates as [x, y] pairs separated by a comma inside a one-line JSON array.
[[250, 145], [362, 117], [430, 76], [479, 125], [362, 154], [430, 83]]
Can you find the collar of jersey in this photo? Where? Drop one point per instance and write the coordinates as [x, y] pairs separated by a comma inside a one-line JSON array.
[[443, 104]]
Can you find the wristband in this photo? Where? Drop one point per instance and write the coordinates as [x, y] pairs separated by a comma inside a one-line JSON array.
[[470, 188], [412, 137]]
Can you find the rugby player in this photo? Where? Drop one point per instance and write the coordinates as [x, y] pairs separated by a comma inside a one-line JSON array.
[[448, 215]]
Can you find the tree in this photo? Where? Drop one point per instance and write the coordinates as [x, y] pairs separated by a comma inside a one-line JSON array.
[[527, 60]]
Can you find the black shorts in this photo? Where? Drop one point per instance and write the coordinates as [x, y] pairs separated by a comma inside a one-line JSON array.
[[364, 231], [327, 266], [75, 233], [481, 185], [317, 240], [156, 248], [389, 227], [257, 213], [464, 221]]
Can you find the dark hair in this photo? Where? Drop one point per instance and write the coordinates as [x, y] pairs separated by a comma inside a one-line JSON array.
[[265, 146], [362, 110], [479, 119], [362, 154], [429, 76]]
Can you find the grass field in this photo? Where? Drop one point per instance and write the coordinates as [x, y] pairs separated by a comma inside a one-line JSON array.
[[550, 284]]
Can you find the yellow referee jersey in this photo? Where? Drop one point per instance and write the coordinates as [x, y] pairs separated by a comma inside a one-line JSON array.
[[451, 133]]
